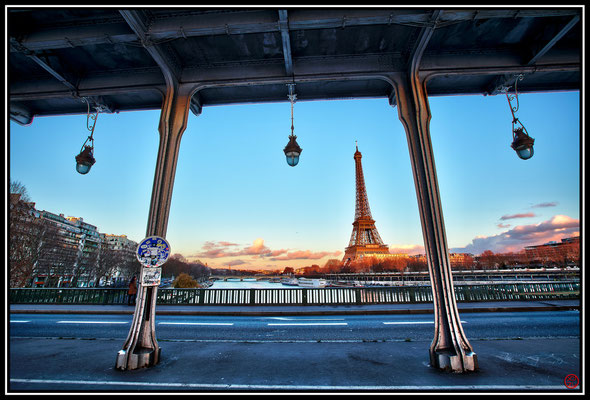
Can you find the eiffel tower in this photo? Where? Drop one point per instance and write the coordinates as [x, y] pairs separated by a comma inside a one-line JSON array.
[[364, 240]]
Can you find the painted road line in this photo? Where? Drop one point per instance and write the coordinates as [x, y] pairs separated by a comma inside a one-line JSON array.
[[413, 322], [196, 323], [189, 385], [92, 322], [306, 319], [18, 321], [307, 323]]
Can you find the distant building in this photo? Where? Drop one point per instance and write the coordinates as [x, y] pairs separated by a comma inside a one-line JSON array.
[[461, 260], [119, 242], [418, 258], [568, 251], [69, 252], [51, 250], [125, 253], [61, 251]]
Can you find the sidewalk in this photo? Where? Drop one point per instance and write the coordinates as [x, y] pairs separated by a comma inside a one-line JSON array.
[[417, 308]]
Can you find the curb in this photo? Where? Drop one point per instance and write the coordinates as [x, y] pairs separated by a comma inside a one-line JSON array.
[[299, 312]]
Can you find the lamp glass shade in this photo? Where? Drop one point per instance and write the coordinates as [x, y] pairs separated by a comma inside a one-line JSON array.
[[83, 168], [292, 158], [292, 151], [525, 153], [85, 160]]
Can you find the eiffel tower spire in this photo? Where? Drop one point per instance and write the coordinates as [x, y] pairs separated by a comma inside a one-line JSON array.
[[364, 240]]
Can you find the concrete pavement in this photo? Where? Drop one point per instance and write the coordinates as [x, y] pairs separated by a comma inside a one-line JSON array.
[[541, 305]]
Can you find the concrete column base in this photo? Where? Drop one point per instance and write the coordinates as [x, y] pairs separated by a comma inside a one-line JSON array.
[[142, 359], [449, 362]]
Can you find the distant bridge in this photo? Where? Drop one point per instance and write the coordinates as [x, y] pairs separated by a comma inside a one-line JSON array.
[[516, 274], [239, 278], [496, 275]]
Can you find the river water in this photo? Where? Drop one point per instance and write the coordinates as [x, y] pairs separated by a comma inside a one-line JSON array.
[[249, 284]]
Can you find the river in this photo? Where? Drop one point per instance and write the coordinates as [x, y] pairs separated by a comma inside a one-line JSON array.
[[249, 284]]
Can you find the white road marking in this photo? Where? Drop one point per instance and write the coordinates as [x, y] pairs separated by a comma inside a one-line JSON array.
[[18, 321], [92, 322], [292, 387], [307, 323], [196, 323], [306, 319], [413, 322]]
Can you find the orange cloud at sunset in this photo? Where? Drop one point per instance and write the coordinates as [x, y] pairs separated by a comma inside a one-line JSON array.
[[227, 249], [526, 215], [515, 239], [411, 249], [223, 254], [306, 255]]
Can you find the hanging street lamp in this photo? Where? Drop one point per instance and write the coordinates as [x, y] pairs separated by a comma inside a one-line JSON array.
[[292, 149], [85, 160], [522, 143]]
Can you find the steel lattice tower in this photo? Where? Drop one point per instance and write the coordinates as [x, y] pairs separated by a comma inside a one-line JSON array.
[[364, 240]]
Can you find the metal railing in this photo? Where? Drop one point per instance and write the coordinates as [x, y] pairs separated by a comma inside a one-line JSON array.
[[299, 296]]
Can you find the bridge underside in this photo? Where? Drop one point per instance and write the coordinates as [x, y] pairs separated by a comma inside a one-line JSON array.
[[116, 57]]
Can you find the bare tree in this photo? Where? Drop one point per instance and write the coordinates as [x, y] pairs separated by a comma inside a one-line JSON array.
[[109, 261], [57, 257], [24, 249], [26, 235], [18, 188], [131, 267]]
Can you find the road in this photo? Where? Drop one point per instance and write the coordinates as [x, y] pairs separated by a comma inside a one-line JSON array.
[[517, 351], [500, 325]]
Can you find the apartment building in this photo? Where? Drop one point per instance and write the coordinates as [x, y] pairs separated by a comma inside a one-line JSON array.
[[568, 250]]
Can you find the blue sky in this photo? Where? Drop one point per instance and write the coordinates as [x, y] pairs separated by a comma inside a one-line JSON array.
[[237, 203]]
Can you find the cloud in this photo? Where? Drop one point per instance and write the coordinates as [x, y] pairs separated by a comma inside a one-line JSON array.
[[515, 239], [503, 225], [306, 255], [259, 249], [407, 249], [236, 262], [540, 205], [226, 244], [211, 249], [526, 215]]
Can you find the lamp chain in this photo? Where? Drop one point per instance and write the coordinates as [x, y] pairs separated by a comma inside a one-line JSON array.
[[514, 109], [292, 97], [90, 117]]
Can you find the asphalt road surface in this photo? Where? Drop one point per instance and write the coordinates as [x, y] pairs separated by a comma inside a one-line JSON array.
[[501, 325], [517, 351]]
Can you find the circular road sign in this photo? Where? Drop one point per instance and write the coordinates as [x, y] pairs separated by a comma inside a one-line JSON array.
[[153, 251]]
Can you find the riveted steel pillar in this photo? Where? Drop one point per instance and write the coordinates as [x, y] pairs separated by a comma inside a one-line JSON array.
[[141, 347], [450, 349]]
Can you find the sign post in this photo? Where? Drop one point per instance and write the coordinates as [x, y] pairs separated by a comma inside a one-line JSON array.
[[152, 252], [141, 348]]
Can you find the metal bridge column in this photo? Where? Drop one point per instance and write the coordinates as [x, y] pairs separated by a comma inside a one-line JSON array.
[[141, 347], [450, 349]]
